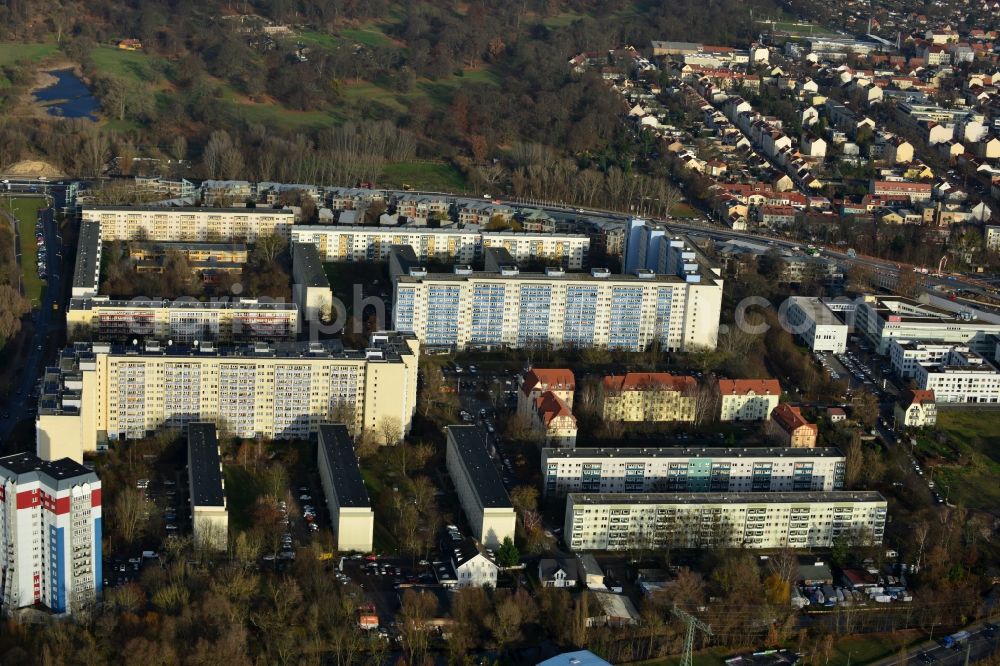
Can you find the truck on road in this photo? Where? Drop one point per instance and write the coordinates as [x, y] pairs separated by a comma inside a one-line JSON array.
[[955, 640]]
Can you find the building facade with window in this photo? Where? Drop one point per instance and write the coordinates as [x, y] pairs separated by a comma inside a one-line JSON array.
[[50, 534], [162, 223], [511, 309], [103, 392], [677, 470], [633, 521]]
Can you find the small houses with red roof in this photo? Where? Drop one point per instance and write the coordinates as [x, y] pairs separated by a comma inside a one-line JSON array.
[[747, 399], [791, 428], [916, 409], [545, 399], [649, 396]]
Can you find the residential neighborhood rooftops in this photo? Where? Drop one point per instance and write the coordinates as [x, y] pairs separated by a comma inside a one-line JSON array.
[[648, 381], [749, 386], [790, 418], [552, 379]]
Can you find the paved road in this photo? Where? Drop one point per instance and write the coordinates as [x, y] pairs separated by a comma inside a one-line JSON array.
[[981, 645], [21, 404]]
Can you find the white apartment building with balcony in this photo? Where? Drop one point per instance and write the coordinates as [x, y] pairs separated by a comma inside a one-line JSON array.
[[506, 308], [675, 470], [102, 392], [161, 223], [633, 521], [354, 243]]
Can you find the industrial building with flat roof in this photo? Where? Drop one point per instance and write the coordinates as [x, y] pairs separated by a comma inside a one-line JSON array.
[[346, 496], [669, 469], [816, 324], [739, 520], [209, 515], [480, 491], [100, 391]]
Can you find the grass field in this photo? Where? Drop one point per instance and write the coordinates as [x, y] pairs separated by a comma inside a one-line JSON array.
[[422, 176], [25, 209], [966, 463], [684, 210], [134, 65], [11, 52]]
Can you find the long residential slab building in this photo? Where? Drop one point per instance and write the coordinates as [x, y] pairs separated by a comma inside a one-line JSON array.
[[466, 245], [481, 493], [164, 223], [347, 498], [629, 521], [696, 469], [502, 307], [101, 392], [183, 321]]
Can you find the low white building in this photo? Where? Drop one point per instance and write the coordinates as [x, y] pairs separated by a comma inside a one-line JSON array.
[[474, 565], [480, 491], [346, 496], [963, 377], [747, 399], [813, 322], [629, 521], [209, 515]]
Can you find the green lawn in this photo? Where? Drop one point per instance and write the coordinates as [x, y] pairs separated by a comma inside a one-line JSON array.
[[965, 463], [421, 176], [684, 210], [134, 65], [25, 209], [13, 52], [371, 36], [275, 114]]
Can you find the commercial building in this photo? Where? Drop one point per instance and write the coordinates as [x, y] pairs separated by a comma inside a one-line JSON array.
[[209, 515], [740, 520], [791, 428], [182, 321], [346, 496], [916, 409], [906, 356], [649, 397], [511, 309], [960, 377], [880, 318], [676, 470], [816, 325], [355, 243], [87, 271], [747, 399], [311, 289], [99, 391], [161, 223], [480, 491], [50, 534]]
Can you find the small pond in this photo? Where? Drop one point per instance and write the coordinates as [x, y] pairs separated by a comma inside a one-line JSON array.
[[68, 97]]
